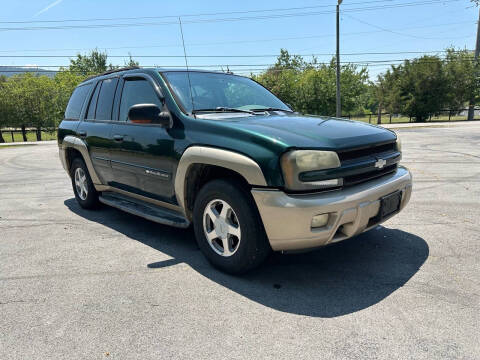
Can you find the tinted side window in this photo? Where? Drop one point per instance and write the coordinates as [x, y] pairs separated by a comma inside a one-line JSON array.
[[75, 104], [105, 99], [93, 102], [137, 92]]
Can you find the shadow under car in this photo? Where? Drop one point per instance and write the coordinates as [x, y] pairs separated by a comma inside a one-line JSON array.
[[331, 281]]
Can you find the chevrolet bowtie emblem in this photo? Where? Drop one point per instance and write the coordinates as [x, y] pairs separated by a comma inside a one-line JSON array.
[[380, 163]]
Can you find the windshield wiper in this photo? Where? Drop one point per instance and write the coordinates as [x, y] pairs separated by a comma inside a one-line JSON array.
[[223, 109], [271, 109]]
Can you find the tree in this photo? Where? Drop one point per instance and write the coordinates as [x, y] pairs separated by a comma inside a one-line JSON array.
[[65, 82], [94, 63], [310, 87], [355, 88], [5, 106], [285, 61], [282, 77], [417, 88], [368, 100], [32, 101], [388, 90], [462, 77], [10, 105], [29, 100], [131, 62], [282, 83]]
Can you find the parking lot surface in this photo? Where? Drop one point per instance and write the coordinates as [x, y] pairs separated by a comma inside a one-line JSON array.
[[104, 284]]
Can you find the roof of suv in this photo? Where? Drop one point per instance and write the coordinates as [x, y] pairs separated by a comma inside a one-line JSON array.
[[140, 70]]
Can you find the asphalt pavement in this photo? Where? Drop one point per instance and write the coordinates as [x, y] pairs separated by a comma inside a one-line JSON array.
[[103, 284]]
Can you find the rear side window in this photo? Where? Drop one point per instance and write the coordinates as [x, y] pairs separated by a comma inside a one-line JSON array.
[[135, 92], [75, 104], [105, 99], [93, 102]]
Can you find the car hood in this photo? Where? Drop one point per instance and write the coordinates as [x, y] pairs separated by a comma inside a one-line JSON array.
[[299, 131]]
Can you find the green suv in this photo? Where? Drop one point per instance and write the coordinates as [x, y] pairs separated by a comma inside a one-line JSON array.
[[222, 153]]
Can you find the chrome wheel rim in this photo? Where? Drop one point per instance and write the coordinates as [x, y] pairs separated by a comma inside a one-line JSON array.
[[81, 183], [221, 228]]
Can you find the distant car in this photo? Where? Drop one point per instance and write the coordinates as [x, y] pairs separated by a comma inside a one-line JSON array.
[[221, 152]]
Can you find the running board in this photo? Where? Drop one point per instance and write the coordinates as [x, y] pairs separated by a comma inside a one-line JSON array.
[[143, 209]]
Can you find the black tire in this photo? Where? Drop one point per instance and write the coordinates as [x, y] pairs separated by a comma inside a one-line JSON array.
[[253, 248], [90, 201]]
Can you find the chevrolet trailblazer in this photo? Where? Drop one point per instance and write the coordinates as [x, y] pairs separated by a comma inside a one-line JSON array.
[[222, 153]]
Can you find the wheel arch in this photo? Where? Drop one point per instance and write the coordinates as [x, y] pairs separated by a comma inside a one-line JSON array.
[[72, 147], [70, 155], [200, 164]]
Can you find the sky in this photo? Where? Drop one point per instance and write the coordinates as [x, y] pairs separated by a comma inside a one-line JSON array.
[[228, 31]]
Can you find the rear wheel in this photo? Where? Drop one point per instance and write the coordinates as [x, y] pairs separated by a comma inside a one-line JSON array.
[[228, 228], [85, 193]]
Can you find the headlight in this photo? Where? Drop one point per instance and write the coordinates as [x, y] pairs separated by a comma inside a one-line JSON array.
[[308, 160], [399, 144], [296, 162]]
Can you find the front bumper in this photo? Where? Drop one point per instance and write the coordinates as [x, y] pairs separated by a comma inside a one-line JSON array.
[[287, 218]]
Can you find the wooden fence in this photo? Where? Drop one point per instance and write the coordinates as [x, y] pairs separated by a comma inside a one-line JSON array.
[[8, 134], [388, 118]]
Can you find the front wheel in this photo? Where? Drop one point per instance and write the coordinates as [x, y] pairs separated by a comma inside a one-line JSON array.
[[85, 193], [228, 228]]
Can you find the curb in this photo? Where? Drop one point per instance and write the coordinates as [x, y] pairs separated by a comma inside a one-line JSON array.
[[29, 143], [430, 125]]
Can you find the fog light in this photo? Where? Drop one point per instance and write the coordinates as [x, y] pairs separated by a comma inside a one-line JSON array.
[[319, 221], [326, 183]]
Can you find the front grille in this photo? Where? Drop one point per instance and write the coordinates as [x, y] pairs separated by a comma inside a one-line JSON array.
[[370, 175], [369, 155], [354, 154], [359, 165]]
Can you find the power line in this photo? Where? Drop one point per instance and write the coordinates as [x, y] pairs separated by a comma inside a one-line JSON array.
[[237, 41], [248, 66], [219, 68], [324, 12], [214, 20], [267, 64], [241, 55], [192, 15], [392, 31], [234, 41]]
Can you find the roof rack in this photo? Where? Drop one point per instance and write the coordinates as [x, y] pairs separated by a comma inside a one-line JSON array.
[[112, 71]]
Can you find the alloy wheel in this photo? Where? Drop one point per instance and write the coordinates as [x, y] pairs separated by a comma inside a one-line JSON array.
[[221, 227], [81, 183]]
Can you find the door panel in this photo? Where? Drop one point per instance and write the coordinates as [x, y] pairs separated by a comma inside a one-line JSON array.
[[96, 128], [142, 158], [97, 135], [143, 162]]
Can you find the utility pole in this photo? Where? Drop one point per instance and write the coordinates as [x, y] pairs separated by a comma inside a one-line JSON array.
[[471, 108], [339, 100]]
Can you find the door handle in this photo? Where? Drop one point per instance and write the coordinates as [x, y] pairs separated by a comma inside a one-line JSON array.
[[118, 138], [82, 133]]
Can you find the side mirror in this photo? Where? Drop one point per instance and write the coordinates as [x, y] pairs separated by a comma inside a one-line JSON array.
[[149, 114]]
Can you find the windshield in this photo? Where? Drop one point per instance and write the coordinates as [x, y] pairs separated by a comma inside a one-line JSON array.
[[211, 91]]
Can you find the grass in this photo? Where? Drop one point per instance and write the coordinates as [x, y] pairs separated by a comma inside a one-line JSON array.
[[31, 136]]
